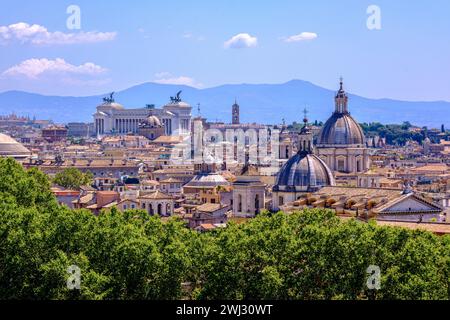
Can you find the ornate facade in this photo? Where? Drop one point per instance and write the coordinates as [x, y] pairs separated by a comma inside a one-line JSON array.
[[341, 142], [113, 118]]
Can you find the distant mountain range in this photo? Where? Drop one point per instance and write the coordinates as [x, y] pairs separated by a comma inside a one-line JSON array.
[[262, 103]]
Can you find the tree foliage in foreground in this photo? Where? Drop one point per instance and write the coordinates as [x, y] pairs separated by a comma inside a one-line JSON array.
[[306, 255], [72, 178]]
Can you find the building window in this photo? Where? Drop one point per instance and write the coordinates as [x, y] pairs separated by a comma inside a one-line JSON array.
[[239, 203], [280, 201], [341, 165], [257, 204]]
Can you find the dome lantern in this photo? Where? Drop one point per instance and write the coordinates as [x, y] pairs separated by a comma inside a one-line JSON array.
[[341, 99]]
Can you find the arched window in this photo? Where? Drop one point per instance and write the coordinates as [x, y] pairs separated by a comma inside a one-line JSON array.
[[257, 204], [150, 209], [239, 203], [280, 200], [340, 165], [160, 209], [168, 209]]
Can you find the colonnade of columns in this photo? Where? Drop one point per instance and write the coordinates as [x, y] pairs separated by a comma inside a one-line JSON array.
[[127, 125]]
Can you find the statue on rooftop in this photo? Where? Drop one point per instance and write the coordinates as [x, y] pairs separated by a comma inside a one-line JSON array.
[[109, 99], [176, 98]]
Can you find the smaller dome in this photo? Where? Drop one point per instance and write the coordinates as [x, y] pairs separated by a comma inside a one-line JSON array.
[[207, 180], [304, 172], [153, 121]]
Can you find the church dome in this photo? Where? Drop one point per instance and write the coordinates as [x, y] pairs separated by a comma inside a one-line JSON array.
[[153, 121], [207, 180], [341, 129], [11, 148], [304, 172]]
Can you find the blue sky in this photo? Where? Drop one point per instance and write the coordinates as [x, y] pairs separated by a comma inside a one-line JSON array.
[[184, 42]]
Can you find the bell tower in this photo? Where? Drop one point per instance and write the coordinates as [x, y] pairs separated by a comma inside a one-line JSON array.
[[235, 113]]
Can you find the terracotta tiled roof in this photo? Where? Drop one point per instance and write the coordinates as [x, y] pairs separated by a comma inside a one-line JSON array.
[[157, 195], [209, 207]]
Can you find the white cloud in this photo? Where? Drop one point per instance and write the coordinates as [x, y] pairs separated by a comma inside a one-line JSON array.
[[33, 68], [39, 35], [241, 40], [301, 37], [168, 78]]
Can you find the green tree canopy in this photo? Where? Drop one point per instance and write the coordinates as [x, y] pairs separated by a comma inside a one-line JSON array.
[[72, 178], [310, 254]]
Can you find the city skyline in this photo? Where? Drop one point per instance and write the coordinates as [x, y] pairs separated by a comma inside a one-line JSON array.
[[239, 154], [205, 45]]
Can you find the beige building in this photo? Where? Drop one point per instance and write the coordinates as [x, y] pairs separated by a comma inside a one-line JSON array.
[[248, 196], [158, 203], [366, 203]]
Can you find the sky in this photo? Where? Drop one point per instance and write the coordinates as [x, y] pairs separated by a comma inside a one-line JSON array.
[[405, 54]]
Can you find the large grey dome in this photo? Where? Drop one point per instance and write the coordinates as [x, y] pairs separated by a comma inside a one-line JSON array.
[[207, 180], [11, 148], [304, 172], [341, 129]]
